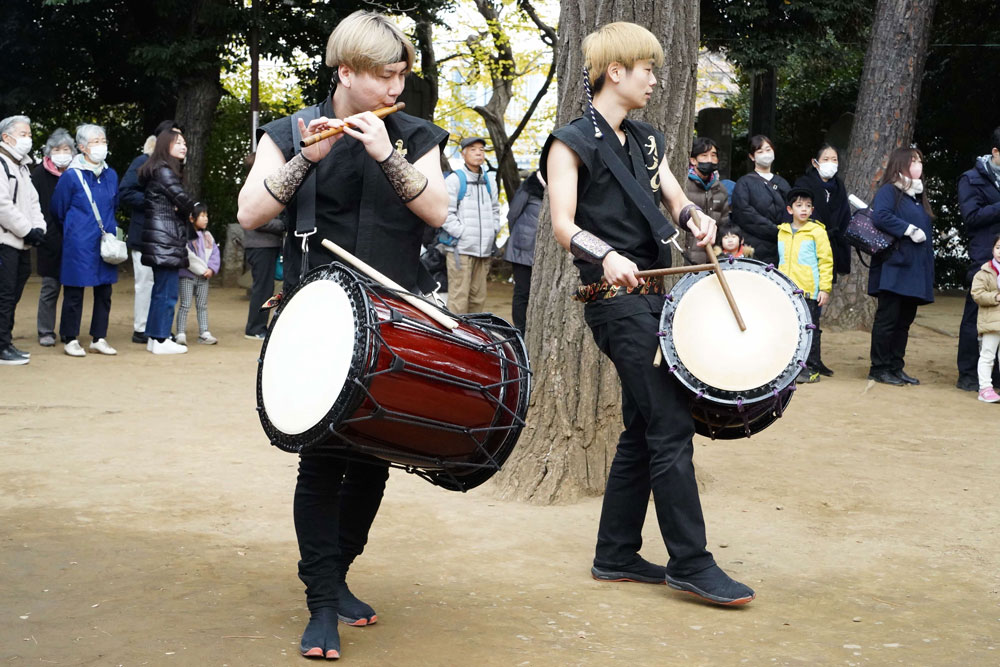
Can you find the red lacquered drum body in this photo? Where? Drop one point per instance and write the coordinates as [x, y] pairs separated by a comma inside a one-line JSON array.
[[350, 368]]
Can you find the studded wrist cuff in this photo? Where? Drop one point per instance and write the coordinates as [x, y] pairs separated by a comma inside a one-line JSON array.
[[588, 247]]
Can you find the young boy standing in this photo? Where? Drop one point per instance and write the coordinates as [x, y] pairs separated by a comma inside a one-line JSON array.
[[805, 256], [598, 221]]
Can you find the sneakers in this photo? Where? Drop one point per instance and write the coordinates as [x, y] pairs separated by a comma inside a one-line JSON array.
[[73, 349], [181, 338], [822, 369], [254, 336], [642, 571], [101, 345], [989, 395], [713, 585], [207, 338], [24, 354], [807, 376], [166, 347], [47, 340], [9, 356], [139, 337]]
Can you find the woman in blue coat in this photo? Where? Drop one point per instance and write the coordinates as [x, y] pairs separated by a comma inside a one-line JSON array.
[[903, 279], [81, 264]]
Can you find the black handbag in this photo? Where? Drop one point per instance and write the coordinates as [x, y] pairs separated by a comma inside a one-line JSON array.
[[866, 238]]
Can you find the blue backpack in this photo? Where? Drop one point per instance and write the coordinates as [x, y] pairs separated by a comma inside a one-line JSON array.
[[443, 237]]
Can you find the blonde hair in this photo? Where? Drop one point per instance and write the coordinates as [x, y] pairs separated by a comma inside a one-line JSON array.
[[366, 42], [618, 42], [150, 144]]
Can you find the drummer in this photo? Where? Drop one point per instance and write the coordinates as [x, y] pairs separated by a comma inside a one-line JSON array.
[[376, 184], [596, 220]]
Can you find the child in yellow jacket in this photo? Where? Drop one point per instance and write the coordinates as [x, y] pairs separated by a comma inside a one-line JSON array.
[[804, 255]]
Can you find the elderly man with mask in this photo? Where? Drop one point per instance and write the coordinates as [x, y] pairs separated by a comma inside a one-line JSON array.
[[21, 225], [473, 222]]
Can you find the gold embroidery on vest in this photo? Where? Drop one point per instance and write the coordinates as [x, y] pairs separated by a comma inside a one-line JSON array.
[[654, 181]]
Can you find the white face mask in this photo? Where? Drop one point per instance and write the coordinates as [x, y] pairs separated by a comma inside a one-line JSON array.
[[98, 153], [764, 159], [827, 170], [61, 160], [21, 147]]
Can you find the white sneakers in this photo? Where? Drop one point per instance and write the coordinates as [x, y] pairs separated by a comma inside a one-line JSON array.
[[207, 338], [181, 338], [101, 345], [166, 347], [73, 349]]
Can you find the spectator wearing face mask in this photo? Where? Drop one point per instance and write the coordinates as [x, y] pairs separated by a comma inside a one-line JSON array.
[[59, 151], [21, 225], [830, 203], [704, 187], [759, 201]]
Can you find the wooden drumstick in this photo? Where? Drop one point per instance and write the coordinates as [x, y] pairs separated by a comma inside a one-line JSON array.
[[725, 286], [673, 270], [376, 275], [326, 134]]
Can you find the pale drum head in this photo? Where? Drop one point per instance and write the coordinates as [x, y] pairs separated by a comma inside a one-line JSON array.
[[710, 344], [308, 360]]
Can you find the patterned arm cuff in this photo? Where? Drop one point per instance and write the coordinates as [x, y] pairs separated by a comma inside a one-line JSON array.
[[685, 215], [285, 182], [588, 247], [408, 181]]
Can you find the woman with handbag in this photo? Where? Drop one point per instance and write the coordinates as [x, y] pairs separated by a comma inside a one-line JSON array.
[[902, 278], [84, 202], [164, 238]]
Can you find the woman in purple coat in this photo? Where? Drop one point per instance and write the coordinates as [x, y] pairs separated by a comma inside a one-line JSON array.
[[84, 202]]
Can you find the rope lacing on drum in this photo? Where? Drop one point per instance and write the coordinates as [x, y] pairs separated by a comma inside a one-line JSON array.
[[731, 259], [812, 326], [669, 297], [769, 267], [662, 334], [798, 291]]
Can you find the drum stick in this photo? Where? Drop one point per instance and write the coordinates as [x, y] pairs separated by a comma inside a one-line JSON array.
[[326, 134], [725, 286], [376, 275], [694, 268]]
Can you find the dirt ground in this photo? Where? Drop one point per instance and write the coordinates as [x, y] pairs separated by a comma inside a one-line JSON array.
[[145, 520]]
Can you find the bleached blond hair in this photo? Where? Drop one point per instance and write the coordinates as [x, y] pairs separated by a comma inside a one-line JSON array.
[[367, 42], [619, 42]]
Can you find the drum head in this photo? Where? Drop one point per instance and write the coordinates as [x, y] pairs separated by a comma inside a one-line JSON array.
[[706, 349], [308, 357]]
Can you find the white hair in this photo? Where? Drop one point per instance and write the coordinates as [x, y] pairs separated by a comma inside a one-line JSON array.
[[10, 121], [86, 132], [60, 137]]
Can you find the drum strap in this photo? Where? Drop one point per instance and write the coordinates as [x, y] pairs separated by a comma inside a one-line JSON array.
[[662, 229], [305, 199]]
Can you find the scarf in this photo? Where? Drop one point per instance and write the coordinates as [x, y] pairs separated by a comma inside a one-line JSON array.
[[990, 170], [910, 186], [80, 162], [51, 167], [695, 176]]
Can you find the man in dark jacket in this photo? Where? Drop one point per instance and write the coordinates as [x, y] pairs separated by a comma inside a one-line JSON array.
[[979, 201], [131, 194], [704, 188]]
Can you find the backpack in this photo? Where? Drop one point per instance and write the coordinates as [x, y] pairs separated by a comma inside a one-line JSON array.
[[443, 237], [11, 177]]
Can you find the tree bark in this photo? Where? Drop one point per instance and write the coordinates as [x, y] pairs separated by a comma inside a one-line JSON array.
[[196, 104], [574, 417], [884, 120]]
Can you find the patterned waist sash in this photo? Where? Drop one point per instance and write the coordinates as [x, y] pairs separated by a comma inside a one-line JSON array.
[[603, 290]]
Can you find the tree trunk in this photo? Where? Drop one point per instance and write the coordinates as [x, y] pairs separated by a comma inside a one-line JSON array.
[[196, 104], [884, 120], [574, 417]]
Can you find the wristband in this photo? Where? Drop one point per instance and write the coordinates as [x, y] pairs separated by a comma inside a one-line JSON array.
[[286, 181], [406, 180], [685, 215], [588, 247]]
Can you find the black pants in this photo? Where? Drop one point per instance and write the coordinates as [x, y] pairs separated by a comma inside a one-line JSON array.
[[815, 357], [335, 504], [891, 330], [654, 454], [522, 288], [15, 267], [262, 262], [72, 312]]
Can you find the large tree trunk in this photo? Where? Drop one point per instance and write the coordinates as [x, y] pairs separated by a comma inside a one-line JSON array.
[[884, 120], [574, 418], [196, 104]]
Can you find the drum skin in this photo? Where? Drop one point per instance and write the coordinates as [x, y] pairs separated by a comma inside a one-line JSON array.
[[739, 382], [447, 405]]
